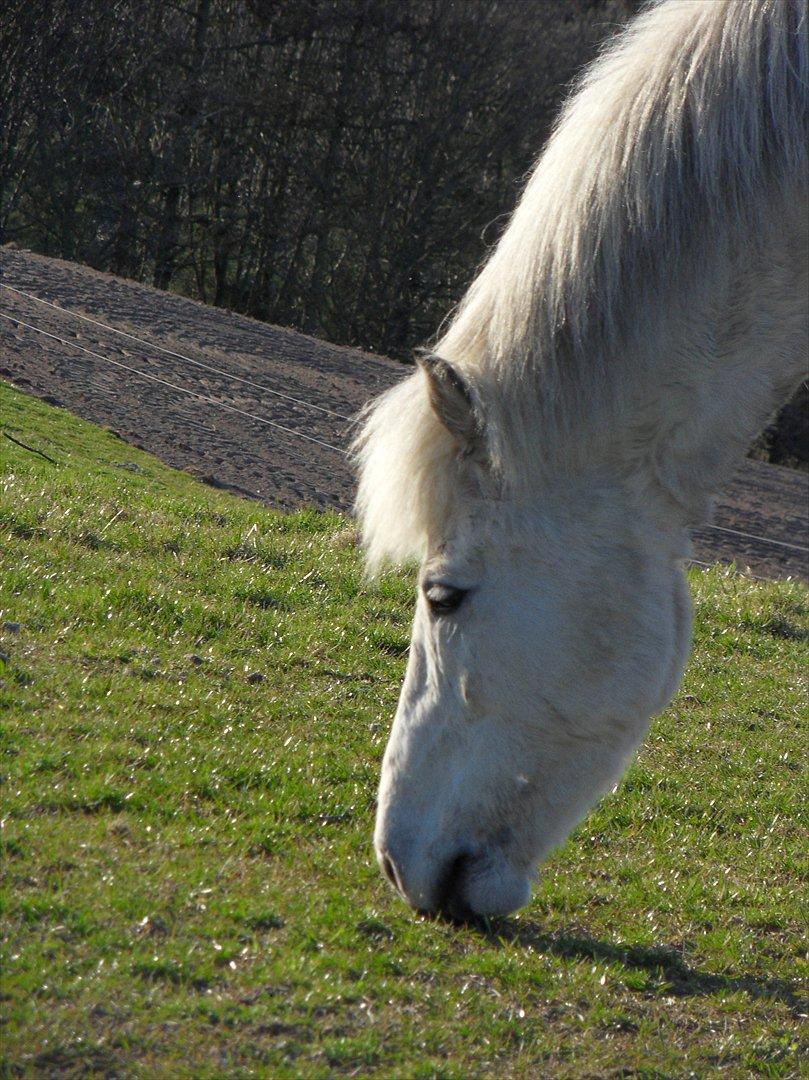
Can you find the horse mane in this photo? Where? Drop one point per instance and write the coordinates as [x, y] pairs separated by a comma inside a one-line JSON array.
[[691, 120]]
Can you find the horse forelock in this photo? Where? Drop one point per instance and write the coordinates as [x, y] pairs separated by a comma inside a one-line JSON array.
[[408, 470]]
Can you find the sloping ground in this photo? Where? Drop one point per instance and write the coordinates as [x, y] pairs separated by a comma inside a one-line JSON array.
[[216, 439]]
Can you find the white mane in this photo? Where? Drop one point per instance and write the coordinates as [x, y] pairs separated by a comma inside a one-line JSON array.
[[690, 123]]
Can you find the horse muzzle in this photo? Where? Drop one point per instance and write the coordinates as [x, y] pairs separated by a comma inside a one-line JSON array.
[[464, 885]]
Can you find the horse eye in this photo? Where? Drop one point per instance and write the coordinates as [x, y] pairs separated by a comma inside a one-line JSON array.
[[443, 599]]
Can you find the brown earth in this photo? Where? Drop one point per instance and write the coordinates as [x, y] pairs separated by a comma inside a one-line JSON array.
[[248, 454]]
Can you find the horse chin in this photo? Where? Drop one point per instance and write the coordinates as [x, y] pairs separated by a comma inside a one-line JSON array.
[[498, 893], [492, 887]]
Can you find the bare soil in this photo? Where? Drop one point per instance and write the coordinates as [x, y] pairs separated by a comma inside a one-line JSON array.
[[244, 454]]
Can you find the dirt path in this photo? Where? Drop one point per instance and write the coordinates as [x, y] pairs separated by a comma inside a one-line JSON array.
[[247, 453]]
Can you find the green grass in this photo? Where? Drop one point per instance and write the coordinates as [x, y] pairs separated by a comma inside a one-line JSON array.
[[196, 698]]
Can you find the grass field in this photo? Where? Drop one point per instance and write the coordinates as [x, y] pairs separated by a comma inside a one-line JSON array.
[[196, 694]]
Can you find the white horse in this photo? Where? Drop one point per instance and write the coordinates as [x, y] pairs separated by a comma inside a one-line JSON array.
[[642, 316]]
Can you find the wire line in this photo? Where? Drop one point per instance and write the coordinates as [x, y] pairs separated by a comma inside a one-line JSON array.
[[761, 539], [180, 389], [179, 356]]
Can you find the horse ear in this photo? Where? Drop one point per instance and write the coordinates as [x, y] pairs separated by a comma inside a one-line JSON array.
[[453, 402]]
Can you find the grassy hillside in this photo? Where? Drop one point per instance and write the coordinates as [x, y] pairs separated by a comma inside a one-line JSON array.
[[196, 693]]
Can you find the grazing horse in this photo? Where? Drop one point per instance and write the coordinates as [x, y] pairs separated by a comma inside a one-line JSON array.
[[642, 316]]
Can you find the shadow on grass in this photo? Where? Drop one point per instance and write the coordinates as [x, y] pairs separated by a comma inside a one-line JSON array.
[[676, 977]]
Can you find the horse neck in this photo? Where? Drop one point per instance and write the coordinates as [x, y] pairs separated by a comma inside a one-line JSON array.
[[726, 357], [675, 412]]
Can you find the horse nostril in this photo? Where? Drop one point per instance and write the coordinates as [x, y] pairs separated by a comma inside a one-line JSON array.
[[449, 898], [390, 871]]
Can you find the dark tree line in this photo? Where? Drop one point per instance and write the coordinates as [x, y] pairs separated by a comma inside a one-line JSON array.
[[334, 165], [340, 166]]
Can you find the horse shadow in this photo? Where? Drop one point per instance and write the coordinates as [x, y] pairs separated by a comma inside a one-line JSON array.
[[675, 976]]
